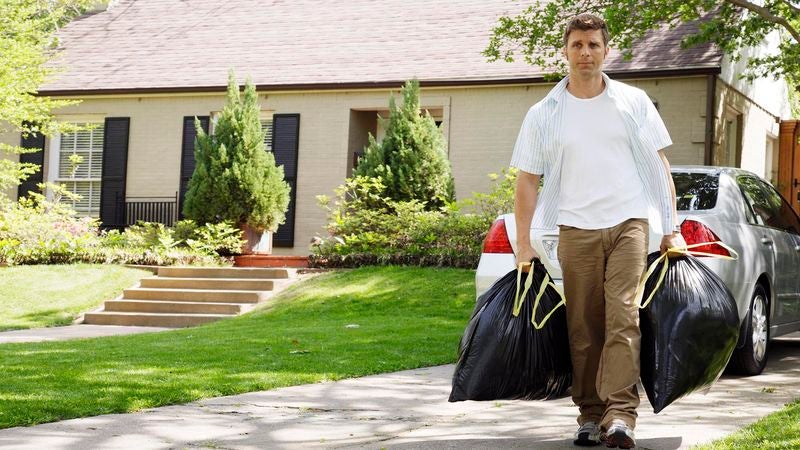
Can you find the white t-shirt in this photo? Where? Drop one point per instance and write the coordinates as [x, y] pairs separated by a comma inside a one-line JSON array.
[[600, 185]]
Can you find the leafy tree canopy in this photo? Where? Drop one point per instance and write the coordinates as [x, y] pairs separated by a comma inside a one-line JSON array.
[[733, 25], [27, 42]]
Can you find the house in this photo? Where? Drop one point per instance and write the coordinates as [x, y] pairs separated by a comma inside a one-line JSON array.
[[144, 70]]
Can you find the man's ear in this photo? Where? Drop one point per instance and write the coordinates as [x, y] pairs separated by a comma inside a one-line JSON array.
[[607, 50]]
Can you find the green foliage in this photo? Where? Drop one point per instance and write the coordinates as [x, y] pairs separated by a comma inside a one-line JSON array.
[[209, 239], [34, 231], [28, 42], [366, 227], [411, 160], [733, 25], [235, 178], [37, 231], [217, 238]]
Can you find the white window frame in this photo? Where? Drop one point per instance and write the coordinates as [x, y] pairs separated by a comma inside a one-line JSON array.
[[54, 164]]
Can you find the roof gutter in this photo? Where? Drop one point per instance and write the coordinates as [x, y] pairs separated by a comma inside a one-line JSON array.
[[621, 75]]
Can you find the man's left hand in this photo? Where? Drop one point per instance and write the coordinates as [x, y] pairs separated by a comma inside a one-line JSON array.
[[671, 241]]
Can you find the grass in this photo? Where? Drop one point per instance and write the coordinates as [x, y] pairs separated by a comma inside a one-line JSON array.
[[779, 430], [406, 318], [47, 296]]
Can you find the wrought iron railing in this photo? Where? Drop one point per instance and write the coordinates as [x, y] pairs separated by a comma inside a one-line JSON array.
[[151, 209]]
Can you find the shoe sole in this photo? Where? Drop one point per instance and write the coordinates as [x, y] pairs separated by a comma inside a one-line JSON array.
[[619, 440], [586, 442]]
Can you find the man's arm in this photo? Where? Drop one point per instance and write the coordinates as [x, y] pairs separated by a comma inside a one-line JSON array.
[[525, 196], [671, 239]]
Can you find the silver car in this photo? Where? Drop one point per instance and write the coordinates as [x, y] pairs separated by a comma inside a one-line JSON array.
[[714, 204]]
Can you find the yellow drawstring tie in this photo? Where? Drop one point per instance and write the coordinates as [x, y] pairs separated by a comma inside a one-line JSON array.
[[519, 299], [675, 251]]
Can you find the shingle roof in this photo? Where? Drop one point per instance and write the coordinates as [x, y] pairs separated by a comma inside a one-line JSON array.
[[190, 45]]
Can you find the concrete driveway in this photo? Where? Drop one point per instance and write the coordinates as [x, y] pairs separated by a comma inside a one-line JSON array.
[[409, 410]]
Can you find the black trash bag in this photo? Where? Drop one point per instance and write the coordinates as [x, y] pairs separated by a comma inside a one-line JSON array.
[[503, 357], [689, 330]]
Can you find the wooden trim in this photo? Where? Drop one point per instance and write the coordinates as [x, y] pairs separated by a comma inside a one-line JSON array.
[[711, 102], [786, 146]]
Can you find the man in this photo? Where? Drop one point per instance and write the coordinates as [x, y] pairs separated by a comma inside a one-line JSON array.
[[598, 143]]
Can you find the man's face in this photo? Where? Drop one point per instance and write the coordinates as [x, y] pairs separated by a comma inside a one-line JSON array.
[[585, 53]]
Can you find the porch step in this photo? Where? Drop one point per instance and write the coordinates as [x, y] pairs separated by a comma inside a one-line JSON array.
[[157, 306], [195, 295], [188, 296], [150, 319], [221, 284], [225, 272]]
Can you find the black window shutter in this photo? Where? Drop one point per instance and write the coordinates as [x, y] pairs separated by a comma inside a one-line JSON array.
[[187, 154], [115, 169], [285, 139], [32, 141]]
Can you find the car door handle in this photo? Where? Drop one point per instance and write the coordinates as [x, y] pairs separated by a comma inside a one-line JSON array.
[[766, 241]]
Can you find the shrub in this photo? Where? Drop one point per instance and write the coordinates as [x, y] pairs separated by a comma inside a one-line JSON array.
[[34, 231], [368, 228], [235, 178], [411, 160]]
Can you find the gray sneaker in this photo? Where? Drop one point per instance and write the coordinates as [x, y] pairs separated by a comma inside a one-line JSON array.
[[587, 435], [618, 435]]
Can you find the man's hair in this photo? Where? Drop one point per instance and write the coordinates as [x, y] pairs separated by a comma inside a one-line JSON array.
[[585, 22]]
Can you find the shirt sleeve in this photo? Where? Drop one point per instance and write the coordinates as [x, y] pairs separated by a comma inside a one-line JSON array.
[[652, 131], [528, 153]]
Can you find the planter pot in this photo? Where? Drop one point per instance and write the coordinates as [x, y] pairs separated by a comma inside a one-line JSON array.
[[258, 242]]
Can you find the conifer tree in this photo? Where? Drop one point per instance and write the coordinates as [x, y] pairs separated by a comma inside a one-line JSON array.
[[235, 178], [411, 160]]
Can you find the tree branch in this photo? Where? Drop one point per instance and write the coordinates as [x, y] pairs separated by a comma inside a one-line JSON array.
[[767, 15], [794, 9]]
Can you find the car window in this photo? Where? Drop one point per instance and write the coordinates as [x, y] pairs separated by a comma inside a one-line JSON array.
[[695, 191], [788, 217], [766, 204]]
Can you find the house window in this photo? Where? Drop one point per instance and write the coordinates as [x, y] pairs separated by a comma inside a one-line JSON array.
[[266, 127], [84, 178]]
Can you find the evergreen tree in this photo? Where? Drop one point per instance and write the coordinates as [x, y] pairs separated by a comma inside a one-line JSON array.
[[411, 160], [235, 178]]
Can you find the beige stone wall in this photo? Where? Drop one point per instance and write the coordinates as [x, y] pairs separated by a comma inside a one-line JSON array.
[[480, 123], [682, 105], [757, 127]]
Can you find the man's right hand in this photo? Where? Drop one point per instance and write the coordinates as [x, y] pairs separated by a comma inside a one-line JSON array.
[[525, 254]]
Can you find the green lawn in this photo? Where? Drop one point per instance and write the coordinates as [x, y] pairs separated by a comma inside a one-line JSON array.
[[46, 296], [779, 430], [334, 326]]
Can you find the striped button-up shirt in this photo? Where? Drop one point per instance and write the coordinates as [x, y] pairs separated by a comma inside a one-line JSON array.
[[539, 150]]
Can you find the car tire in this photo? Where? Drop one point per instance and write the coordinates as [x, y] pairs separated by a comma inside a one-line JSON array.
[[751, 358]]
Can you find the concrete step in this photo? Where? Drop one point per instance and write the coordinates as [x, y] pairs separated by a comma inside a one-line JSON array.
[[222, 284], [195, 295], [150, 319], [155, 306], [225, 272]]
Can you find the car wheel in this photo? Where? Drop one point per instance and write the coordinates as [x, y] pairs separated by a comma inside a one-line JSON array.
[[752, 357]]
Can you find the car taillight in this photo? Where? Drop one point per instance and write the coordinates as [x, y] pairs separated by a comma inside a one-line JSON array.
[[696, 233], [497, 239]]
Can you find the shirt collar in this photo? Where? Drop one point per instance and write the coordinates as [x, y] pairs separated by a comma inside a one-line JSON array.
[[558, 92]]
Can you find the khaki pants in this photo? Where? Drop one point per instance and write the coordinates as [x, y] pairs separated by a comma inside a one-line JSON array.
[[601, 269]]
